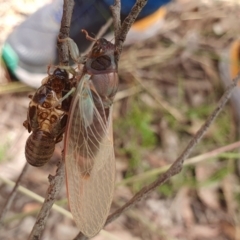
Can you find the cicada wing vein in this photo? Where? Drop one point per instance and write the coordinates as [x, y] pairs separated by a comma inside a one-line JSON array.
[[89, 160]]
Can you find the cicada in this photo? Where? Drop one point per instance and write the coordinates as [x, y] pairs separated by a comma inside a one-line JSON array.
[[88, 146], [47, 117]]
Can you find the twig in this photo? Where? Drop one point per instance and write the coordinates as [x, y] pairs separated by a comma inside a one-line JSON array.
[[176, 167], [14, 87], [35, 197], [64, 32], [190, 161], [122, 30], [116, 10], [12, 195], [56, 182], [54, 188]]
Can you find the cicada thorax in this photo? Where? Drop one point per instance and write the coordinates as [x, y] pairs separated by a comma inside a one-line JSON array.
[[47, 118], [101, 58]]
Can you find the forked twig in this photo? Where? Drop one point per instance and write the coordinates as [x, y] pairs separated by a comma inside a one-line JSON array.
[[56, 182], [121, 30], [12, 195]]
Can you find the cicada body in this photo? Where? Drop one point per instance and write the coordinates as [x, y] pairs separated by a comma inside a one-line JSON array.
[[47, 118], [88, 146]]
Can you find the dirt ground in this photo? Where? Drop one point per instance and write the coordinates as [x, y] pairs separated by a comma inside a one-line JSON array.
[[169, 84]]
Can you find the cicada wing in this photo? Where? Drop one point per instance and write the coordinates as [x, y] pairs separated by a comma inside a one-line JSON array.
[[90, 161]]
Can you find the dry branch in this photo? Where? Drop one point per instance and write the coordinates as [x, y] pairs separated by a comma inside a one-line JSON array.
[[176, 167], [56, 182], [64, 32], [121, 30]]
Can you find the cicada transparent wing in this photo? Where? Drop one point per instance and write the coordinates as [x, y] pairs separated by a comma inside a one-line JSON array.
[[89, 158]]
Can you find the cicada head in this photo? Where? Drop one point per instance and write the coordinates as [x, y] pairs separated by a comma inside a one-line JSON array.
[[102, 47], [101, 58], [57, 80], [60, 73]]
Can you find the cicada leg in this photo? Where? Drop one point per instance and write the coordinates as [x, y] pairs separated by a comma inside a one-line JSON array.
[[64, 97], [73, 49]]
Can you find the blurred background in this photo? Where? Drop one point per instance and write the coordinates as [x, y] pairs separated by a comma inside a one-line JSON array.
[[169, 84]]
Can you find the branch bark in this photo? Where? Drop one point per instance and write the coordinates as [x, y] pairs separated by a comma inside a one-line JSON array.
[[56, 182], [121, 30], [64, 32]]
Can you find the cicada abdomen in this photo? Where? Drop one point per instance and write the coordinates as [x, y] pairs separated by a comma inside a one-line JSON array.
[[39, 148], [46, 118], [89, 152]]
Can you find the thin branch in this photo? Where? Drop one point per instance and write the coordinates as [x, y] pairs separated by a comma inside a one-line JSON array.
[[12, 195], [190, 161], [116, 10], [64, 32], [122, 30], [56, 182], [176, 167], [36, 197]]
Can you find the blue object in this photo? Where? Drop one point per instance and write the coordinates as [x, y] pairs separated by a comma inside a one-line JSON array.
[[149, 8]]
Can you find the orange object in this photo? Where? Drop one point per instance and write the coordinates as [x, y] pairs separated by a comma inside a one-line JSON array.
[[235, 58], [148, 21]]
